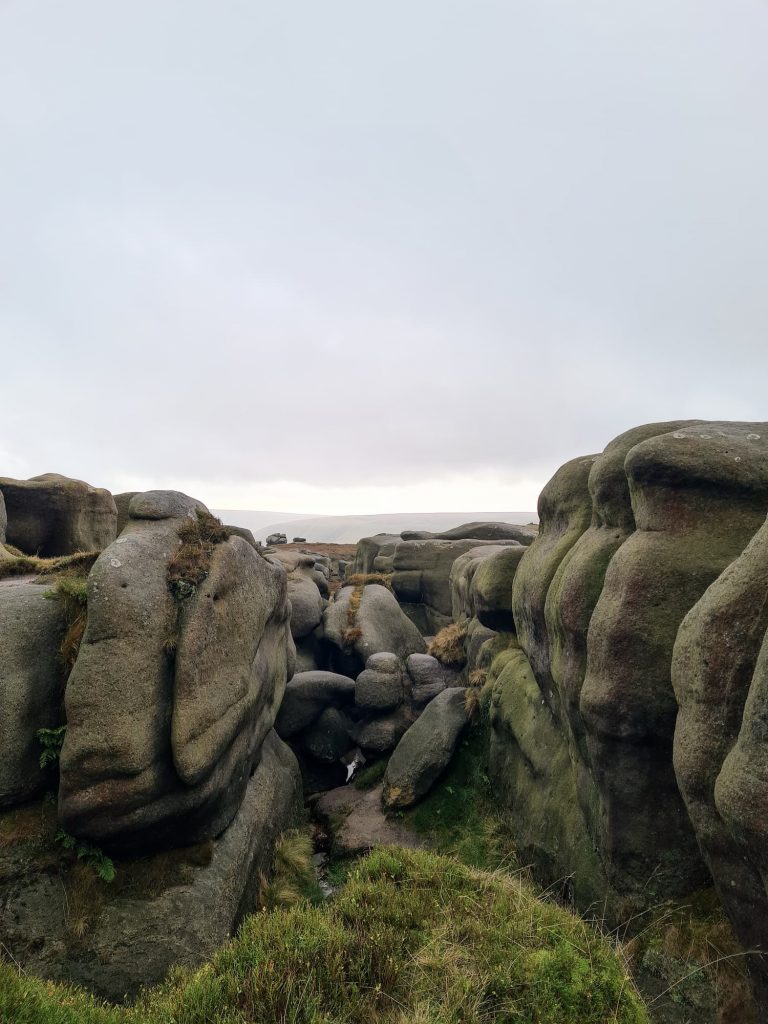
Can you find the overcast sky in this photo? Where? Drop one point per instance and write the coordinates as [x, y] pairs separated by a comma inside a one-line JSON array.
[[365, 257]]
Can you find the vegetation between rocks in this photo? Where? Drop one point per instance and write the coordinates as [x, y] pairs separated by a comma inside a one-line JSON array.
[[412, 938], [448, 645], [76, 565], [191, 563]]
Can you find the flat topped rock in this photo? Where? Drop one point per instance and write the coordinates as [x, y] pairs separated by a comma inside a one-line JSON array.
[[358, 823]]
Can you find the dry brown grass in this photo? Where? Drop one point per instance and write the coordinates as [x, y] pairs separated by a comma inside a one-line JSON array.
[[76, 565], [361, 579], [352, 631], [190, 564], [693, 943], [448, 645]]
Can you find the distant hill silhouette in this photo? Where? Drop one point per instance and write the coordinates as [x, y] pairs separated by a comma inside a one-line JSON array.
[[349, 529]]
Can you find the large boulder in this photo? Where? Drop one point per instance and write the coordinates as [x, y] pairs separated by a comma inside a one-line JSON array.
[[170, 700], [425, 751], [481, 584], [306, 600], [428, 678], [307, 695], [141, 932], [379, 687], [374, 554], [53, 515], [367, 620], [122, 504], [719, 672], [422, 579], [31, 685]]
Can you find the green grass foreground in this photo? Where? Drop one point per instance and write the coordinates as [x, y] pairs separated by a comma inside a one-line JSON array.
[[412, 938]]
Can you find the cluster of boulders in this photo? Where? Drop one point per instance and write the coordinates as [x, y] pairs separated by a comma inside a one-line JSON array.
[[336, 723], [421, 563], [168, 708]]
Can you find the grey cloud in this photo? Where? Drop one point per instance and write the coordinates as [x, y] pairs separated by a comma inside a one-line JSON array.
[[376, 242]]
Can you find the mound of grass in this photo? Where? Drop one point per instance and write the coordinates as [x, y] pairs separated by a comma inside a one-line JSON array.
[[448, 645], [191, 563], [412, 937]]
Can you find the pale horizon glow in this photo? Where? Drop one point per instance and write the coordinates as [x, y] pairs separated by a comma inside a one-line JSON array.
[[467, 493]]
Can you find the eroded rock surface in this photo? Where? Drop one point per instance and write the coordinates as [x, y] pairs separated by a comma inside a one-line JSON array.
[[53, 515], [169, 702]]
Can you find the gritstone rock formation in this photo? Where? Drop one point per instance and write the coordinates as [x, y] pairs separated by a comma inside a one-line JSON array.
[[53, 515]]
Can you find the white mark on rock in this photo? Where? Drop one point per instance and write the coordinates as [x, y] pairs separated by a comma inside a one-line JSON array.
[[737, 459], [705, 436], [121, 540], [679, 436], [115, 563], [753, 437]]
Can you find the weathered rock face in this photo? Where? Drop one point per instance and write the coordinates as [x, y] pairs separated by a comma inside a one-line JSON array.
[[428, 678], [583, 713], [422, 579], [698, 495], [425, 750], [719, 675], [31, 685], [52, 515], [169, 702], [374, 554], [307, 695], [134, 941], [380, 686], [122, 504], [481, 584], [377, 625], [478, 531]]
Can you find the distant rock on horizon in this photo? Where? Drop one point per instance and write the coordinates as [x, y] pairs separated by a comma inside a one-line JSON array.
[[350, 529]]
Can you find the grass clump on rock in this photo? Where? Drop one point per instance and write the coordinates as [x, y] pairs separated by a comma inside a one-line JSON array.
[[448, 645], [191, 563], [412, 937], [77, 565]]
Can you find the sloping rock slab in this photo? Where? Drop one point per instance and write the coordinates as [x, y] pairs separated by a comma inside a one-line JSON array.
[[358, 824], [135, 942]]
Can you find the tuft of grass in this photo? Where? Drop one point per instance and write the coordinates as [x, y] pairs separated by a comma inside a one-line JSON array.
[[72, 591], [352, 631], [293, 874], [691, 951], [371, 775], [448, 645], [472, 701], [191, 562], [412, 937]]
